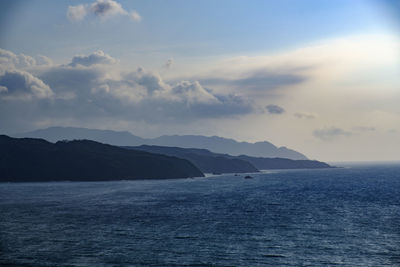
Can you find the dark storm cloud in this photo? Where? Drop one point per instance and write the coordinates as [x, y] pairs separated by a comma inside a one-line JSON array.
[[16, 84], [274, 109]]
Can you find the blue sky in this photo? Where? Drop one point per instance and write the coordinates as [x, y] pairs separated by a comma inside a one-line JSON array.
[[190, 28], [156, 67]]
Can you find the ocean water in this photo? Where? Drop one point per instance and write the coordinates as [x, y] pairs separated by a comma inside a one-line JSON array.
[[348, 216]]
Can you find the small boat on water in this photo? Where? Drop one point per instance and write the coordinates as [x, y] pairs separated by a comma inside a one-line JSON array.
[[248, 177]]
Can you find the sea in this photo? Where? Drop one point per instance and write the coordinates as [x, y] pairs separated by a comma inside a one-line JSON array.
[[346, 216]]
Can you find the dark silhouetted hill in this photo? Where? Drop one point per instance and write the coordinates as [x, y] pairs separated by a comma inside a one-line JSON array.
[[210, 162], [205, 160], [281, 163], [215, 144], [31, 160]]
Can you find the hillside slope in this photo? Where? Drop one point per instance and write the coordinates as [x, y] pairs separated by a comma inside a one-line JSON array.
[[205, 160], [29, 160]]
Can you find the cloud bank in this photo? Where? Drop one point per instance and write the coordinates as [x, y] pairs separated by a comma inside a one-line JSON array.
[[92, 87]]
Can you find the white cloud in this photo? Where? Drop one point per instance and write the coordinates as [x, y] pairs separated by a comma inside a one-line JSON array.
[[97, 57], [25, 61], [192, 92], [104, 8], [101, 8], [135, 16], [150, 81], [143, 90], [77, 13], [11, 60], [43, 61]]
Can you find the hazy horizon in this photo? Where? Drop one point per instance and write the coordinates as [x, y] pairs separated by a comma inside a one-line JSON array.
[[319, 77]]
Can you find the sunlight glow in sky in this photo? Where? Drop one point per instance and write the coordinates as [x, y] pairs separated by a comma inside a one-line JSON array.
[[318, 76]]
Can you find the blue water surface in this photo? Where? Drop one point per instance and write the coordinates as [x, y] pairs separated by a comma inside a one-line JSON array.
[[346, 216]]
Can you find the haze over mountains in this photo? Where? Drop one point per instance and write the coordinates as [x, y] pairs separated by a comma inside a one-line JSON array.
[[215, 144]]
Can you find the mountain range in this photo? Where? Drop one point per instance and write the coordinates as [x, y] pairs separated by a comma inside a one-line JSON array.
[[35, 160], [214, 143], [209, 162]]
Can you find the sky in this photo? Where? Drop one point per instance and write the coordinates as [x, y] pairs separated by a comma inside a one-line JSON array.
[[318, 76]]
